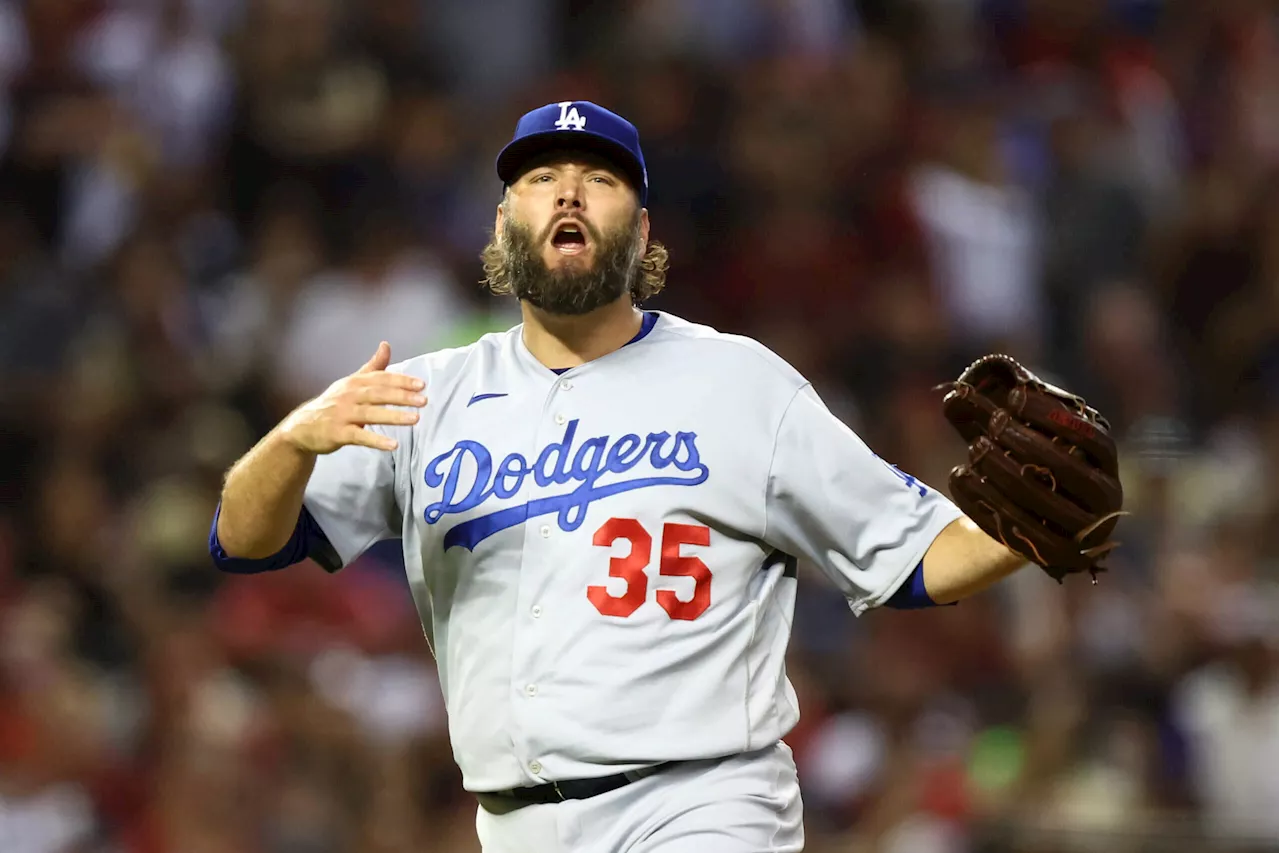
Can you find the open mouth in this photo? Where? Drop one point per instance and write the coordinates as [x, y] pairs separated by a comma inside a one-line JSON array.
[[570, 238]]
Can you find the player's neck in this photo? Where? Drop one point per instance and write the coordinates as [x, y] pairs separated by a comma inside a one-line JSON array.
[[558, 341]]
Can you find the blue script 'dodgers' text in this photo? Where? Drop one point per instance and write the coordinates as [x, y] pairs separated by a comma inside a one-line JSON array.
[[557, 464]]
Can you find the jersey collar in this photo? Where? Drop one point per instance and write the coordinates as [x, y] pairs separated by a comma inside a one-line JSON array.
[[647, 323]]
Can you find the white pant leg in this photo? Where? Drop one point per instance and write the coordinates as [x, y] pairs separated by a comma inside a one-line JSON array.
[[532, 829], [743, 804]]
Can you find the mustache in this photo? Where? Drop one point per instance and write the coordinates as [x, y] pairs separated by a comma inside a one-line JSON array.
[[590, 228]]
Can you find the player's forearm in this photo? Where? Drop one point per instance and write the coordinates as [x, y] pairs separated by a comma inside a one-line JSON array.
[[262, 497], [963, 560]]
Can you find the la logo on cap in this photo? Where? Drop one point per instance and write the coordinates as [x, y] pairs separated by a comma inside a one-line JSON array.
[[569, 118]]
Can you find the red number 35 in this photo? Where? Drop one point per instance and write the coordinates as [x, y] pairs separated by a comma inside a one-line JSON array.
[[672, 564]]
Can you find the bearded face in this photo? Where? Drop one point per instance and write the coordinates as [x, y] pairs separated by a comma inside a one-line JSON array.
[[592, 267]]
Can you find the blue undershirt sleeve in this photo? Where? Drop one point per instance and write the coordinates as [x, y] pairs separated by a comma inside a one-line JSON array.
[[308, 540], [912, 595]]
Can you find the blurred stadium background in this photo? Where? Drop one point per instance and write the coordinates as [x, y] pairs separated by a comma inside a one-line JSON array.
[[210, 209]]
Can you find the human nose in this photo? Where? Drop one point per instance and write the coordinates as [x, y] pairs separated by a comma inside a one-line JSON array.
[[569, 195]]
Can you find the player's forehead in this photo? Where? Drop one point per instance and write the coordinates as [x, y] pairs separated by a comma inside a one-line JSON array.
[[571, 159]]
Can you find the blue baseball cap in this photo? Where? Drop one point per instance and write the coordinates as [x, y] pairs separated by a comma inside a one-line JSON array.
[[576, 125]]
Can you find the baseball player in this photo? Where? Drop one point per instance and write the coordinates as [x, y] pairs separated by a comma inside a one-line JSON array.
[[602, 509]]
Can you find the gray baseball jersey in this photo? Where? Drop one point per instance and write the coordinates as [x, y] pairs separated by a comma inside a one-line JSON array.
[[604, 559]]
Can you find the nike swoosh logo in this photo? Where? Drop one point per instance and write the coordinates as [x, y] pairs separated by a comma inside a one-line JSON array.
[[477, 398]]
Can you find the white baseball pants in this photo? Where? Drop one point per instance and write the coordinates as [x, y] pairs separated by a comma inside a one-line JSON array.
[[744, 804]]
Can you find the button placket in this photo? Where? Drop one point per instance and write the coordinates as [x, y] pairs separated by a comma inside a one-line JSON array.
[[531, 668], [527, 666]]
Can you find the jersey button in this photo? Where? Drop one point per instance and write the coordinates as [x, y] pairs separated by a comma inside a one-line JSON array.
[[531, 690], [536, 611], [565, 385], [560, 419], [535, 768], [545, 530]]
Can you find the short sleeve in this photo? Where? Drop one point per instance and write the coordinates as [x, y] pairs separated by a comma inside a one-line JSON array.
[[352, 496], [829, 499]]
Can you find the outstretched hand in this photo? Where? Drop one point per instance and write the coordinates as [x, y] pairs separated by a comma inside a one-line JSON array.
[[340, 416]]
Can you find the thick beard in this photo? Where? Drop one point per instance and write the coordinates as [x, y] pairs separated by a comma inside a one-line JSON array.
[[572, 290]]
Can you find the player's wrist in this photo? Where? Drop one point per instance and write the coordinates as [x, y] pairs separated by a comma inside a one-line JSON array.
[[964, 560], [294, 438]]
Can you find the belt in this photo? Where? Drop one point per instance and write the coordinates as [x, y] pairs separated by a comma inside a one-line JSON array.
[[567, 789]]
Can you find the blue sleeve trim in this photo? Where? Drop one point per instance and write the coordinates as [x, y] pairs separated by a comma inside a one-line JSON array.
[[912, 595], [308, 540]]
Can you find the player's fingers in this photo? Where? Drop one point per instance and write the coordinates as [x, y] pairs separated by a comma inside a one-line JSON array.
[[354, 435], [383, 415], [382, 379], [383, 395], [381, 358]]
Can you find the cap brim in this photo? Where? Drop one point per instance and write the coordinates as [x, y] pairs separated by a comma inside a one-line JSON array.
[[512, 159]]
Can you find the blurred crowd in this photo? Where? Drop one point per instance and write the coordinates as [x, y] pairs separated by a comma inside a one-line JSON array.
[[210, 209]]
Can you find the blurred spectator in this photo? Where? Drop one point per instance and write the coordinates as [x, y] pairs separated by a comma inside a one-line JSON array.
[[247, 310], [1094, 221], [386, 289], [210, 210], [982, 231], [41, 313], [1228, 710]]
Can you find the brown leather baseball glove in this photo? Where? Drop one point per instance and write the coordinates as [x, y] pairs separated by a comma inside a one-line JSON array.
[[1042, 475]]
